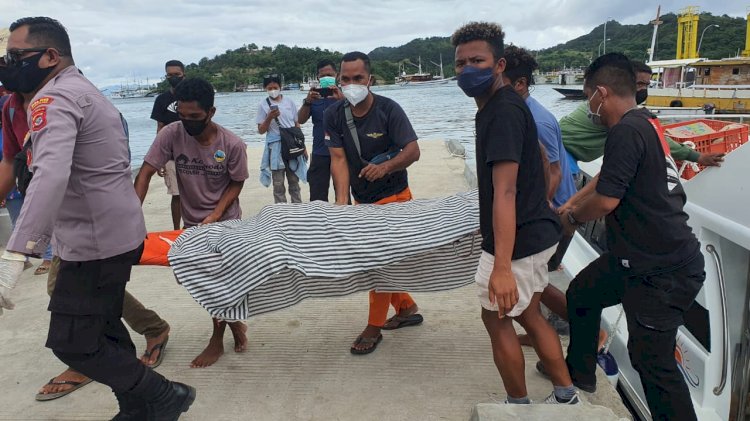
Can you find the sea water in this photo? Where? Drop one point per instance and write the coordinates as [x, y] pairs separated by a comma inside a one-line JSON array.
[[437, 113]]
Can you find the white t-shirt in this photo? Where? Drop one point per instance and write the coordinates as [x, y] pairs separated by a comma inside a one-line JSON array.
[[288, 117]]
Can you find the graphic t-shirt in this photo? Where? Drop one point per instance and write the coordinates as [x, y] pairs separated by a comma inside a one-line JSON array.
[[203, 172], [648, 230], [550, 136], [287, 118], [384, 128], [506, 132], [165, 108]]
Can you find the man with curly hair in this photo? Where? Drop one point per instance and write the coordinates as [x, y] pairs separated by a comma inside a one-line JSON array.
[[519, 229]]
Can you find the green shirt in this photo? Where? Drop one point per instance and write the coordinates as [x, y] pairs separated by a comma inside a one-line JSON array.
[[585, 141]]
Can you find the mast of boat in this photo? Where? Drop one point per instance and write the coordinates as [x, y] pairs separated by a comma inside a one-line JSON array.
[[656, 22], [442, 76]]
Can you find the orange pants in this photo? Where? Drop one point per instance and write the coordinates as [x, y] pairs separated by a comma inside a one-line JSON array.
[[379, 301]]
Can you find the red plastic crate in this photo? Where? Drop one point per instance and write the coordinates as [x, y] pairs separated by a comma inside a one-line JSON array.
[[719, 142]]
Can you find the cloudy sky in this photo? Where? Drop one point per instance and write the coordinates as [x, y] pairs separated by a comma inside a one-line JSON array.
[[117, 41]]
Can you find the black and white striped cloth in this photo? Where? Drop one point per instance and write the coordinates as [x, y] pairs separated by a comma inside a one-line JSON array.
[[289, 252]]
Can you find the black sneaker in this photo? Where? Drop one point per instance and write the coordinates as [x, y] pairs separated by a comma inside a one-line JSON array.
[[586, 387]]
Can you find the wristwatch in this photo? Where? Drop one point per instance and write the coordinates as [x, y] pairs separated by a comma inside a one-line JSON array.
[[306, 102], [572, 220]]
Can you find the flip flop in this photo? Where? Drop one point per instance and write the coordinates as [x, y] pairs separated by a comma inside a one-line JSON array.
[[41, 270], [362, 340], [399, 321], [50, 396], [161, 347]]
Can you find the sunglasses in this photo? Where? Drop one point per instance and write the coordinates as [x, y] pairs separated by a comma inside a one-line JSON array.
[[273, 75], [13, 57]]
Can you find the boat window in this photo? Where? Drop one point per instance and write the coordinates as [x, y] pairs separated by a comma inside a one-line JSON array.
[[707, 71], [736, 71]]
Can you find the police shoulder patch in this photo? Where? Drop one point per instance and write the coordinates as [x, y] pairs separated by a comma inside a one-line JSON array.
[[38, 119], [41, 102]]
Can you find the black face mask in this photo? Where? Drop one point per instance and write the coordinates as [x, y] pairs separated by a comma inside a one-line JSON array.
[[9, 78], [194, 127], [174, 80], [640, 96], [30, 75]]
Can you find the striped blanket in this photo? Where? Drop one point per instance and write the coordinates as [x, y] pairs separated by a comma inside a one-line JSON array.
[[289, 252]]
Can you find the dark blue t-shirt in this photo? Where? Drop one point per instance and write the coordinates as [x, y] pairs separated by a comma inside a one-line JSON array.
[[317, 113], [384, 127]]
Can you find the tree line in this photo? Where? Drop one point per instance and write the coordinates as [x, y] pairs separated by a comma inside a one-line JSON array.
[[247, 65]]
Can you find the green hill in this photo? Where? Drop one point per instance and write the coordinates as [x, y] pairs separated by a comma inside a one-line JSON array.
[[635, 40], [249, 63]]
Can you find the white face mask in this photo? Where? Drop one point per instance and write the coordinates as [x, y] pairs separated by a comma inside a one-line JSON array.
[[274, 93], [355, 93]]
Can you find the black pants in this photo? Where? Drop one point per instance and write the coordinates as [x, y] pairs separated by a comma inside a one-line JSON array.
[[86, 331], [319, 177], [654, 304], [562, 247]]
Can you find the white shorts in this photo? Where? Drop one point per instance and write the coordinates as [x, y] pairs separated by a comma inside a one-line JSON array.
[[170, 179], [531, 276]]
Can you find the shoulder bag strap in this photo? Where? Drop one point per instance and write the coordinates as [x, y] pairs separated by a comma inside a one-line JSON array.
[[269, 110], [352, 128]]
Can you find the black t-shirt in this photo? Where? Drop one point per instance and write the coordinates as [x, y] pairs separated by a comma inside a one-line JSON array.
[[648, 230], [506, 132], [384, 128], [165, 108]]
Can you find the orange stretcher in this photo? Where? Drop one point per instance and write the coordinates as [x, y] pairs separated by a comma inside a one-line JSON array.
[[156, 246]]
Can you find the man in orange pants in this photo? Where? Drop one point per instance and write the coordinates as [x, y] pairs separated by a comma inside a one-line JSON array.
[[372, 143]]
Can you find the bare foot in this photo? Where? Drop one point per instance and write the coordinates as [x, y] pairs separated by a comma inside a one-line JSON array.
[[409, 311], [239, 332], [150, 344], [369, 332], [211, 354], [68, 375]]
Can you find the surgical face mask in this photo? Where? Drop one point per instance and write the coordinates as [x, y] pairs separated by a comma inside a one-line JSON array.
[[274, 93], [474, 81], [174, 80], [327, 81], [594, 117], [30, 75], [640, 96], [9, 78], [355, 93], [194, 127]]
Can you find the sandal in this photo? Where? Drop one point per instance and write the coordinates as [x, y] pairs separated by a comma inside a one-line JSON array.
[[50, 396], [397, 322], [366, 341], [161, 347], [42, 269]]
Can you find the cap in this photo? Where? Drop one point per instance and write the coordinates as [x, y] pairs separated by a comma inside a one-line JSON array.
[[4, 35]]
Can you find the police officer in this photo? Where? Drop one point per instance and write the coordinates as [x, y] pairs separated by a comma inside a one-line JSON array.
[[82, 187]]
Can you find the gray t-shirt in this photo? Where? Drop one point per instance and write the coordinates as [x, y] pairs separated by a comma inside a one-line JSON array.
[[203, 172], [288, 117]]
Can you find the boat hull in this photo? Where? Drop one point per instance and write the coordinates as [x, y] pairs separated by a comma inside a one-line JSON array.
[[723, 100]]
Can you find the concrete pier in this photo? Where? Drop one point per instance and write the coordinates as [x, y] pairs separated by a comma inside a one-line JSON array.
[[298, 365]]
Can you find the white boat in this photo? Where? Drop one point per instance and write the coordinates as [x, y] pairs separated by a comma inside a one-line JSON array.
[[713, 347]]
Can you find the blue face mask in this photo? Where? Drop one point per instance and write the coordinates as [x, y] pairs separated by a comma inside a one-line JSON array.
[[474, 82]]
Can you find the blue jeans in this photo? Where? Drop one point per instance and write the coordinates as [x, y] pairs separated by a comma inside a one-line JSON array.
[[14, 209]]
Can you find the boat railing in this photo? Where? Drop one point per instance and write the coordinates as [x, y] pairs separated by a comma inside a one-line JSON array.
[[741, 117], [718, 390]]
